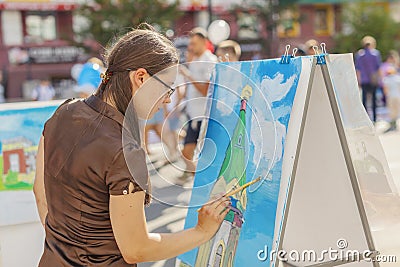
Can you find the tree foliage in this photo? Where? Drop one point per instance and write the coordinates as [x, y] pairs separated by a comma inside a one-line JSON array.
[[361, 19], [110, 18]]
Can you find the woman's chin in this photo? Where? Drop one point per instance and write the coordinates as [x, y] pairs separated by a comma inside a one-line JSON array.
[[152, 113]]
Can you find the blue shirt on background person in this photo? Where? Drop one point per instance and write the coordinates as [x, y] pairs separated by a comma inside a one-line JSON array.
[[88, 78], [368, 61], [90, 74]]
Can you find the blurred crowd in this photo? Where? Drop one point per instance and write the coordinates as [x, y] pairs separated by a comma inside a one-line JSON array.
[[178, 124], [376, 76]]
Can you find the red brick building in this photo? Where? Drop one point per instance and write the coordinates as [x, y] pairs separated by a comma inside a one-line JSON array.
[[309, 19], [35, 43], [36, 37], [305, 20]]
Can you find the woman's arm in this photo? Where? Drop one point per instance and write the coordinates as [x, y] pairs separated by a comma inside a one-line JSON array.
[[137, 245], [38, 186]]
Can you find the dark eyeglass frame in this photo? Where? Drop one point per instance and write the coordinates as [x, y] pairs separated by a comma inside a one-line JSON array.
[[171, 90]]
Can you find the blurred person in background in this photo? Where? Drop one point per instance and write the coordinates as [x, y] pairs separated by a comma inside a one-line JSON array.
[[176, 110], [197, 75], [44, 91], [391, 86], [228, 50], [88, 78], [210, 46], [310, 45], [301, 50], [2, 98], [173, 113], [166, 122], [161, 127], [392, 60], [367, 63], [155, 124]]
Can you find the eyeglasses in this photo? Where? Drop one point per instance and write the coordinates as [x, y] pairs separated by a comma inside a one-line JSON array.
[[171, 90]]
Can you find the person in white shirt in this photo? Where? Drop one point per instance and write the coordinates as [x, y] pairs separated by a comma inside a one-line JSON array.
[[2, 98], [198, 75], [391, 87], [44, 91]]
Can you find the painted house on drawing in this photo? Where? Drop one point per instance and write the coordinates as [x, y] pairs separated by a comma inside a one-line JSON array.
[[19, 155]]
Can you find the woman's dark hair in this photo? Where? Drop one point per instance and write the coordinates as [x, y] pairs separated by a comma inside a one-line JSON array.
[[140, 48]]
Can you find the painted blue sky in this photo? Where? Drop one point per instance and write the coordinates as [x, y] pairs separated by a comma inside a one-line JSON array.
[[26, 123], [274, 87]]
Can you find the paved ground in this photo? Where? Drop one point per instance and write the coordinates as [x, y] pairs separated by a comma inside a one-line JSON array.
[[390, 237]]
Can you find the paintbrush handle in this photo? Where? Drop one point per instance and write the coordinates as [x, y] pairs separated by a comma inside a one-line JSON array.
[[237, 190]]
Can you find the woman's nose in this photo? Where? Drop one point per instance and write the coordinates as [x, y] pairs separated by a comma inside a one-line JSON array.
[[167, 100]]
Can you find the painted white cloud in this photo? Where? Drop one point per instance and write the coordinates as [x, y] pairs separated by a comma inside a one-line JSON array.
[[267, 138], [225, 103], [267, 132], [274, 88]]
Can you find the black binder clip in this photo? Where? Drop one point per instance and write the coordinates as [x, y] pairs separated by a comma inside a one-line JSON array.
[[285, 58]]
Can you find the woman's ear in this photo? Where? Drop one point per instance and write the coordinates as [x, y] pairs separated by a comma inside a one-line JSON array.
[[138, 77]]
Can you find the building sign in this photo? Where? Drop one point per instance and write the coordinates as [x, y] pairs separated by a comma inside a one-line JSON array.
[[62, 54], [217, 5], [40, 5], [54, 54]]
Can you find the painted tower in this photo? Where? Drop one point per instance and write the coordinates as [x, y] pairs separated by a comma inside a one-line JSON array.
[[220, 251]]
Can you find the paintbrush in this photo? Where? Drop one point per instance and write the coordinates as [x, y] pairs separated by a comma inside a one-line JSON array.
[[237, 190]]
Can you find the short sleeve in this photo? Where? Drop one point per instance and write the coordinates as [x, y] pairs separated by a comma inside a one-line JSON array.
[[128, 166]]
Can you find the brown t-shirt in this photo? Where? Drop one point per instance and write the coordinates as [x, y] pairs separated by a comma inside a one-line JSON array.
[[85, 162]]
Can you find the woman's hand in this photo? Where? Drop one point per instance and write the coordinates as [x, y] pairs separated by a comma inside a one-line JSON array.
[[211, 216]]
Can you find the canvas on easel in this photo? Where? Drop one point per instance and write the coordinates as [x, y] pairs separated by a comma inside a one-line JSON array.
[[296, 140], [265, 116]]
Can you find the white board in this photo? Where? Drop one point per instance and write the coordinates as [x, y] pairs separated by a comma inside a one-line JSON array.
[[323, 207]]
